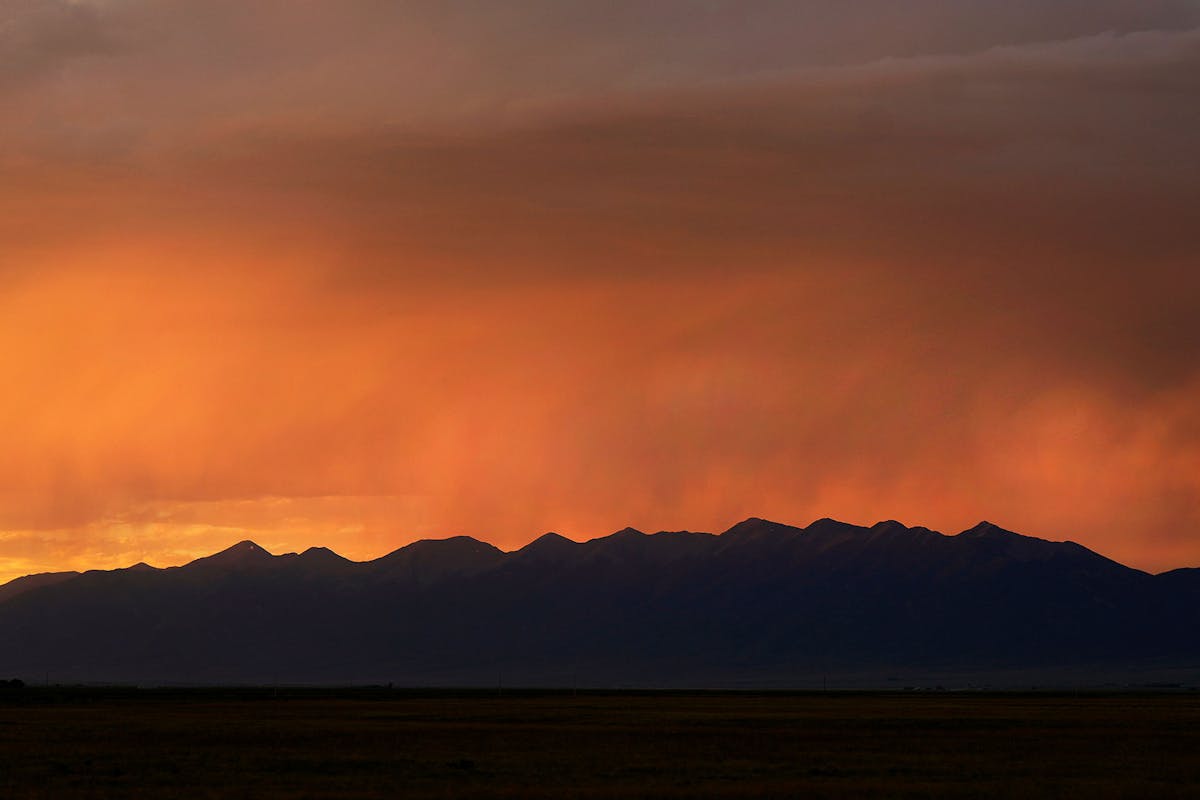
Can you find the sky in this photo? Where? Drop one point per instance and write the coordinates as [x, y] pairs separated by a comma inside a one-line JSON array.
[[358, 273]]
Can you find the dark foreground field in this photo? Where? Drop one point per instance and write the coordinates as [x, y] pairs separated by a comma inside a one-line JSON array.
[[376, 743]]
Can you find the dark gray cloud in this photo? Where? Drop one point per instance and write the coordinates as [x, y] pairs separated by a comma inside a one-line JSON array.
[[1048, 191], [184, 61], [40, 37]]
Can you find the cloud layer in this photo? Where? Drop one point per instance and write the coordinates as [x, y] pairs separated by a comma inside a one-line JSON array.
[[357, 273]]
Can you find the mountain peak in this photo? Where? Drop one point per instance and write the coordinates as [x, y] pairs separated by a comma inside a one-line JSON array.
[[1029, 548], [985, 528], [25, 583], [827, 527], [244, 553], [246, 548], [757, 526], [428, 560], [323, 555], [453, 546], [627, 533], [548, 545]]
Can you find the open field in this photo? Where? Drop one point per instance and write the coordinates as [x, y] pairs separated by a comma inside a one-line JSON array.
[[57, 743]]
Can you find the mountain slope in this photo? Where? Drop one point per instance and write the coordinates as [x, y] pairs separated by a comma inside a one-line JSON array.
[[761, 603], [28, 582]]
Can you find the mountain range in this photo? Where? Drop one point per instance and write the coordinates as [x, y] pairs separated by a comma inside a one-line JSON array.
[[762, 604]]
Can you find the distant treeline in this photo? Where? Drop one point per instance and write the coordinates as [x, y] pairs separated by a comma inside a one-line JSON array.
[[14, 683]]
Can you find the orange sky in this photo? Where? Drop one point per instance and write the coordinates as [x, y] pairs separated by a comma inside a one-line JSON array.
[[358, 273]]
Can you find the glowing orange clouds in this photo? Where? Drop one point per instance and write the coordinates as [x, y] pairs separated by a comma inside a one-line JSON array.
[[938, 289]]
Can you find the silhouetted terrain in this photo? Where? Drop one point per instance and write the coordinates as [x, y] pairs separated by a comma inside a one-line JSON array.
[[761, 604]]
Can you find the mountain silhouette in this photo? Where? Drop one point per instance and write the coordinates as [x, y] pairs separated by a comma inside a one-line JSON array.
[[19, 585], [243, 555], [762, 604]]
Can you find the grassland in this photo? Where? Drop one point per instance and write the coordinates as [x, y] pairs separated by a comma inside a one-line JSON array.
[[59, 743]]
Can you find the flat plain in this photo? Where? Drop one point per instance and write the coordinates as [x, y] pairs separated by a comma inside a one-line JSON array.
[[377, 743]]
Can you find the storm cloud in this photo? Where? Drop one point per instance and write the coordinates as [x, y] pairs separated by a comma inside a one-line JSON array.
[[356, 273]]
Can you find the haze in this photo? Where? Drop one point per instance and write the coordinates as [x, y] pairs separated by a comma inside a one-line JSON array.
[[357, 273]]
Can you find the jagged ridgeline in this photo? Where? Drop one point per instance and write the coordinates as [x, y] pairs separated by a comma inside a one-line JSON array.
[[762, 604]]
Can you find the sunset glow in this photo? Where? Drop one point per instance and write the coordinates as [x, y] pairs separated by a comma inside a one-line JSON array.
[[355, 274]]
